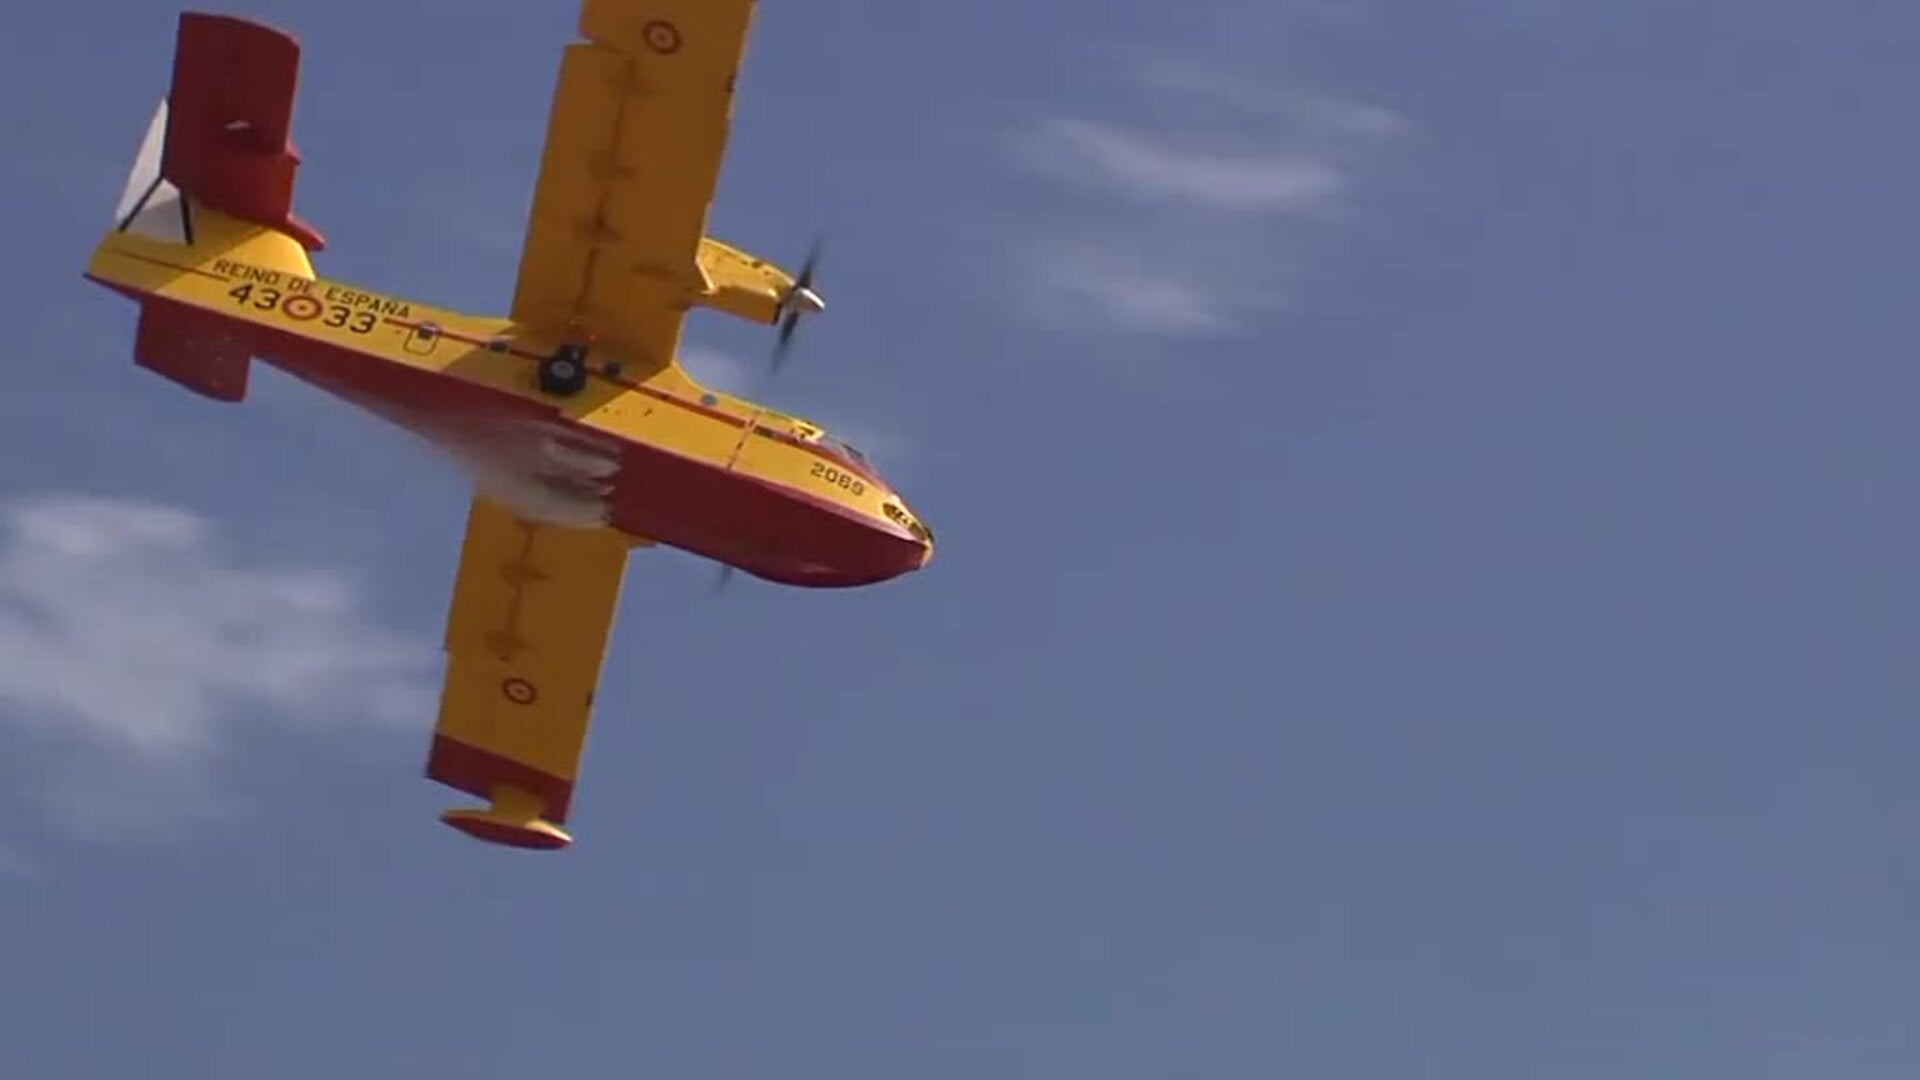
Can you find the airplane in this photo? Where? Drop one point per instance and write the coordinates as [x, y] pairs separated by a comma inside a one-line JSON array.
[[584, 436]]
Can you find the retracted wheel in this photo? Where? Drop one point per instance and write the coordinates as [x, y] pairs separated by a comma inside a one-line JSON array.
[[565, 372]]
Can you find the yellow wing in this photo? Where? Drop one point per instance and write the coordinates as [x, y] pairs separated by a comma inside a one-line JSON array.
[[638, 127], [532, 611]]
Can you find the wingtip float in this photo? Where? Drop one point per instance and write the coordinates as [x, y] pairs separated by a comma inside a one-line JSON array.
[[583, 434]]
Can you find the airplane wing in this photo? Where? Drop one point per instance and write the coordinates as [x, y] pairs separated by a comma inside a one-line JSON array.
[[637, 130], [532, 611]]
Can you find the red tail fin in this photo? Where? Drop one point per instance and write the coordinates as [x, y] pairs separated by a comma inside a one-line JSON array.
[[230, 119]]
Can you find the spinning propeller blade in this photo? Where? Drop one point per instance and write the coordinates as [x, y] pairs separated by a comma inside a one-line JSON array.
[[800, 300]]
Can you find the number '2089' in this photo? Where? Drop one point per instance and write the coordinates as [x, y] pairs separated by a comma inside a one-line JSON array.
[[838, 476]]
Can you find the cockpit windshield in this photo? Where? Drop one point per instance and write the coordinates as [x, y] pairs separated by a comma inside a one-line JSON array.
[[843, 448], [809, 432], [847, 451]]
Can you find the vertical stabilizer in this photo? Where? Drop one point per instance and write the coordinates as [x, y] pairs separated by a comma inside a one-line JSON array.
[[212, 182], [227, 123]]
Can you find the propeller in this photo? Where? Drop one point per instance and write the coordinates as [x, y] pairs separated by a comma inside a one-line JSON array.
[[800, 300]]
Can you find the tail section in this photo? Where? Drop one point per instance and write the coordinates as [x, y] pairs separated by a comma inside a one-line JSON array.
[[149, 205], [192, 348], [229, 121], [222, 139], [212, 184]]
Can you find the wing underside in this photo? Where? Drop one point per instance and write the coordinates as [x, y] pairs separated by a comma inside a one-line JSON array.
[[527, 631], [612, 257], [635, 138]]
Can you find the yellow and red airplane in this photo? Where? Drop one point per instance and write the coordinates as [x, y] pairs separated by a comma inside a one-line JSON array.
[[583, 434]]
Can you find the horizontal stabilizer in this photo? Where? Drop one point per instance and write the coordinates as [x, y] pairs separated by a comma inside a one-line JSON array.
[[190, 348]]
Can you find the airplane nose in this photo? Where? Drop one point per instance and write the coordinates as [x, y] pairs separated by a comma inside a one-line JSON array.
[[925, 535], [896, 509]]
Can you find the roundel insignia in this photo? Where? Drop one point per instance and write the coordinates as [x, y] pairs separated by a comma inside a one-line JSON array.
[[301, 306], [661, 36], [519, 691]]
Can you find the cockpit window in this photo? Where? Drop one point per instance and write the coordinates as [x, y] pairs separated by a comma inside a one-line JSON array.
[[831, 443], [845, 449]]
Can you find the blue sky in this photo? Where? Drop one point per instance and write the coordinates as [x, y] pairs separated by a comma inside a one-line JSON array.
[[1425, 585]]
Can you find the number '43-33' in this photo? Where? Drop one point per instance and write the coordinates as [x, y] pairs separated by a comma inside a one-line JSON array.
[[303, 306]]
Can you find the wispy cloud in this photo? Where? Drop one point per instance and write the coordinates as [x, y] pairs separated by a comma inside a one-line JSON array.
[[1091, 283], [1240, 96], [1149, 166], [1177, 199], [132, 639]]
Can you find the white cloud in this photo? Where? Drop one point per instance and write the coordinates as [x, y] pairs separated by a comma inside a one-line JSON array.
[[1305, 116], [1090, 284], [1148, 165], [1180, 200], [1350, 117], [132, 639]]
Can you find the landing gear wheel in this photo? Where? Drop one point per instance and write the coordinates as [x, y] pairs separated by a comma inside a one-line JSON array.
[[564, 374]]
